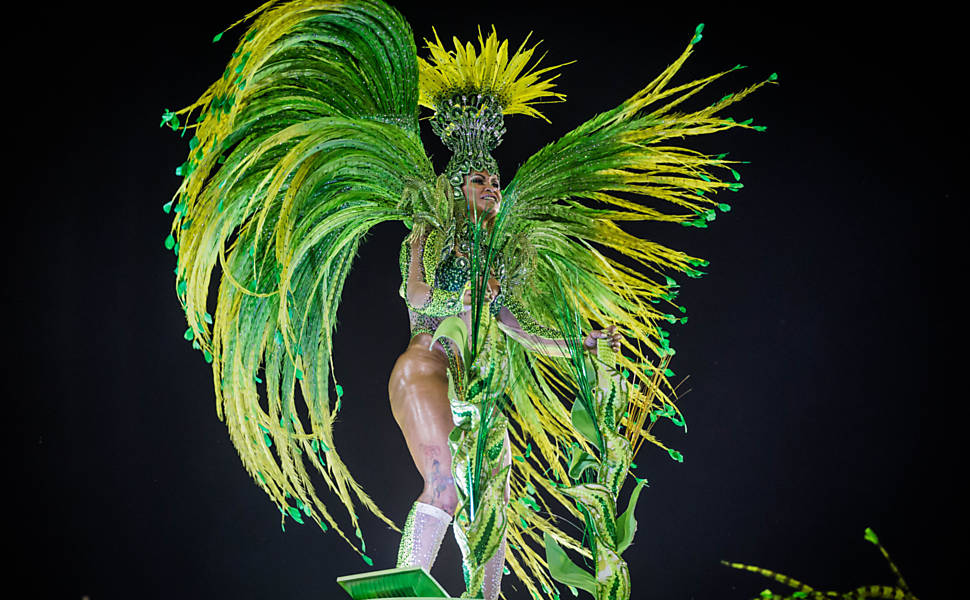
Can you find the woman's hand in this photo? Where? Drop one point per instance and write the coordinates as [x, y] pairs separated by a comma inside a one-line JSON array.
[[610, 333], [491, 292]]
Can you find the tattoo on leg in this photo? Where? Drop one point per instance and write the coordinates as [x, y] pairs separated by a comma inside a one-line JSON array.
[[440, 482]]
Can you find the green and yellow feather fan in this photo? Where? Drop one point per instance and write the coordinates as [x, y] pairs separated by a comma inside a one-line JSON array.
[[308, 140], [567, 204], [570, 198]]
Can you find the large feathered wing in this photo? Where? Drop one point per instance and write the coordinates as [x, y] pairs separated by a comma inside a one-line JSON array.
[[567, 204], [308, 140]]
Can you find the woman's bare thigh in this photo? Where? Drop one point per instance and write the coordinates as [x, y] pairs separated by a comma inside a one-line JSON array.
[[418, 391]]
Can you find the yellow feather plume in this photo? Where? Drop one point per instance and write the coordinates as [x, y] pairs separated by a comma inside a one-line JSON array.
[[488, 71]]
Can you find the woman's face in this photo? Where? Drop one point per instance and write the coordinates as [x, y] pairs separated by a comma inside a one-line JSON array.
[[483, 193]]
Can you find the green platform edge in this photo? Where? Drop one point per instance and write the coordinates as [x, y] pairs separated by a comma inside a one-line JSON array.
[[405, 583]]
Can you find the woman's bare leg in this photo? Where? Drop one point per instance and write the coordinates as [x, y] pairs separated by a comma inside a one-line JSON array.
[[418, 391]]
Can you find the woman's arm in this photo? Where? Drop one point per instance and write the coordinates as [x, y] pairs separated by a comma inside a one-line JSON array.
[[548, 344], [419, 261], [545, 340]]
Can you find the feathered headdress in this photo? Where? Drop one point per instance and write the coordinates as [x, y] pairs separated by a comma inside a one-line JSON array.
[[471, 91]]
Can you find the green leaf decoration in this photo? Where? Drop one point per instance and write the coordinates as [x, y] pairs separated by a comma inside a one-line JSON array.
[[189, 334], [676, 455], [871, 536], [169, 242], [626, 525], [367, 559], [583, 421], [295, 513], [454, 329], [579, 462], [217, 37], [564, 570]]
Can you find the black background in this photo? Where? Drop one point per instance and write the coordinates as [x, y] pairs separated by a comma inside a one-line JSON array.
[[819, 398]]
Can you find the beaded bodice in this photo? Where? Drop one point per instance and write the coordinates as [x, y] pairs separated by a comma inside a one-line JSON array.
[[444, 266], [453, 272]]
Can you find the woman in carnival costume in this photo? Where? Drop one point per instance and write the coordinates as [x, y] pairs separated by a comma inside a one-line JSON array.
[[308, 140]]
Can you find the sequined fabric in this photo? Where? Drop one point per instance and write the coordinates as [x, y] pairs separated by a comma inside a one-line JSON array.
[[494, 568], [424, 529]]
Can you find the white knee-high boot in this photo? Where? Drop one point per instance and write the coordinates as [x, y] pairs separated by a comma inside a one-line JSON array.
[[424, 529]]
